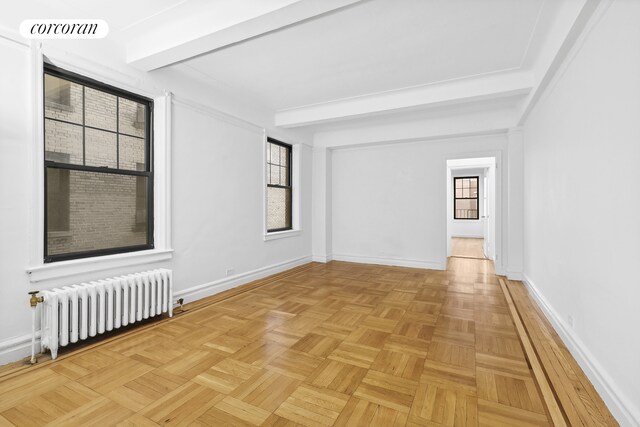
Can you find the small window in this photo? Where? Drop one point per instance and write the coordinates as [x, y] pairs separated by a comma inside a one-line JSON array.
[[278, 186], [465, 199], [98, 174]]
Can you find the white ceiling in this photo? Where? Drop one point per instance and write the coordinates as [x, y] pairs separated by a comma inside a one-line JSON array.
[[119, 14], [335, 64], [375, 46]]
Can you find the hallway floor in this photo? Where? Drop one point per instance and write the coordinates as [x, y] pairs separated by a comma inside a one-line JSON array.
[[324, 344], [467, 247]]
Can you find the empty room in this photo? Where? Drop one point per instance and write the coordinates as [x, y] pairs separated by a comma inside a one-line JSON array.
[[319, 213]]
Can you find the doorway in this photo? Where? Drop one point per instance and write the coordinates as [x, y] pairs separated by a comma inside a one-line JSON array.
[[471, 208]]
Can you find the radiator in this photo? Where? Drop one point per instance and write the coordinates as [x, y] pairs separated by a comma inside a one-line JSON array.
[[74, 313]]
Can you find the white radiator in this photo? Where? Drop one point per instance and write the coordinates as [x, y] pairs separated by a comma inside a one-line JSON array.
[[77, 312]]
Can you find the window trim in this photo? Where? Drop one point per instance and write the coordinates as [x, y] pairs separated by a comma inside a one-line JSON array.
[[477, 198], [46, 275], [50, 69], [289, 147]]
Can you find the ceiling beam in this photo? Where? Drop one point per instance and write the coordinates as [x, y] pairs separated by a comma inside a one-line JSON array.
[[207, 29], [478, 123], [461, 91], [558, 44]]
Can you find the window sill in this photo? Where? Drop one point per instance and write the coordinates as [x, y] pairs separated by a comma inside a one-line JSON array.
[[63, 269], [281, 234]]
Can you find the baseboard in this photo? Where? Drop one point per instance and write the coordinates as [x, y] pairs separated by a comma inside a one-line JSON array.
[[625, 412], [16, 348], [207, 289], [468, 236], [399, 262], [322, 258]]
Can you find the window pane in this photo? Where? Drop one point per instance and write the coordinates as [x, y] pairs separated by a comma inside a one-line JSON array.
[[284, 156], [460, 209], [58, 200], [63, 138], [62, 99], [458, 192], [100, 148], [275, 154], [465, 192], [100, 109], [473, 183], [284, 176], [102, 210], [278, 208], [132, 117], [131, 151], [274, 177], [466, 209]]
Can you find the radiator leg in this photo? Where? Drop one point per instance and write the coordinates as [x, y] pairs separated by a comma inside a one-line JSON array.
[[33, 360], [33, 302]]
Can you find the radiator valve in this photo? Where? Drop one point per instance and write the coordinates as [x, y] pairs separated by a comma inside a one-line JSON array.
[[34, 300]]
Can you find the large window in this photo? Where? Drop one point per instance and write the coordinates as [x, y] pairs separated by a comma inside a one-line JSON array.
[[465, 202], [278, 186], [98, 168]]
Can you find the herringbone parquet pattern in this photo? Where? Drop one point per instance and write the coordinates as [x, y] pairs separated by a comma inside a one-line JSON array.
[[337, 344]]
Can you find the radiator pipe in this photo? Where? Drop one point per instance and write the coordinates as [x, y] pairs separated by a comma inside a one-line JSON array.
[[33, 302]]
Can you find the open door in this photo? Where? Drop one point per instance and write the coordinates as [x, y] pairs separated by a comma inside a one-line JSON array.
[[489, 217]]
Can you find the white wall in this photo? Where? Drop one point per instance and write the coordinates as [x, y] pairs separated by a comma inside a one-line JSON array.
[[218, 204], [217, 183], [321, 205], [582, 142], [15, 318], [390, 201], [467, 227]]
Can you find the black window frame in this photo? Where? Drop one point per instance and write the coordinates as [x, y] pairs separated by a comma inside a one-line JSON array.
[[477, 197], [289, 148], [148, 172]]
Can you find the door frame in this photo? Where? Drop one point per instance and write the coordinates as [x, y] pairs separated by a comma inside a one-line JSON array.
[[500, 204]]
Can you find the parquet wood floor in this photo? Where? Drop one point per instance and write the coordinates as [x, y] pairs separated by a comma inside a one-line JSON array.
[[328, 344]]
